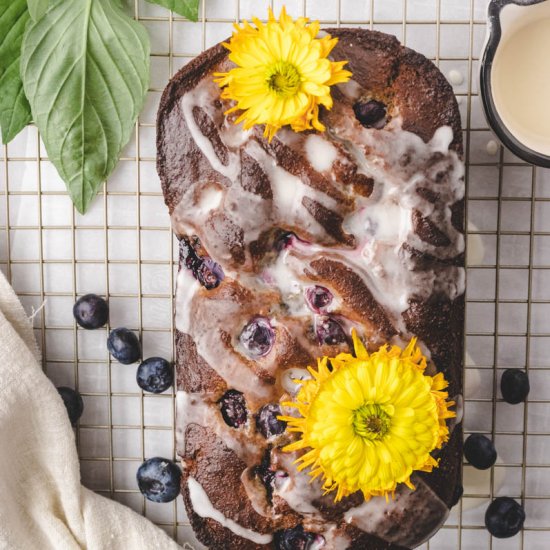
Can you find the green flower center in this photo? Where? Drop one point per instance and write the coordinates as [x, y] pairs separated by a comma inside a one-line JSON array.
[[371, 421], [283, 78]]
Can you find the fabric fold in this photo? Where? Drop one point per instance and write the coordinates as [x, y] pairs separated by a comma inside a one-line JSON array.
[[42, 502]]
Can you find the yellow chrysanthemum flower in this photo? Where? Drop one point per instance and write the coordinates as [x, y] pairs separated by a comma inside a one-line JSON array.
[[371, 421], [282, 73]]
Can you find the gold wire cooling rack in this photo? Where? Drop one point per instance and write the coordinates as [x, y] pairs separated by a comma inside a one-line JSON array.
[[123, 248]]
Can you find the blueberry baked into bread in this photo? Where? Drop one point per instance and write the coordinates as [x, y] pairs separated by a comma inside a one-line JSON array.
[[333, 241]]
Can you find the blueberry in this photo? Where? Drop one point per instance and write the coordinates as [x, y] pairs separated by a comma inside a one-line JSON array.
[[329, 331], [91, 311], [266, 474], [257, 337], [318, 298], [159, 479], [480, 451], [504, 517], [233, 408], [284, 240], [155, 375], [514, 386], [210, 274], [73, 403], [296, 539], [371, 114], [267, 422], [188, 255], [124, 346]]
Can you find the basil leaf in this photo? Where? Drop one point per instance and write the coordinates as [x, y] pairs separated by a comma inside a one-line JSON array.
[[37, 8], [187, 8], [15, 112], [85, 67]]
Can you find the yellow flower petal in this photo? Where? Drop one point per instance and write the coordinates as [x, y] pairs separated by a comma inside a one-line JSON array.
[[282, 74], [372, 421]]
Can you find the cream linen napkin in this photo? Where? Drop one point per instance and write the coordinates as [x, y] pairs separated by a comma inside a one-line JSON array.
[[42, 503]]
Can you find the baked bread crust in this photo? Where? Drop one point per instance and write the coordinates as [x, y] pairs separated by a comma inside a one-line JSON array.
[[204, 164]]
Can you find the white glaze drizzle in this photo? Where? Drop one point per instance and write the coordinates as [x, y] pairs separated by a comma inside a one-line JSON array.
[[186, 288], [459, 409], [389, 278], [351, 89], [289, 377], [204, 508], [287, 275], [334, 540], [201, 96], [210, 199], [456, 78], [288, 191], [298, 492], [256, 494], [492, 147], [320, 152], [181, 423]]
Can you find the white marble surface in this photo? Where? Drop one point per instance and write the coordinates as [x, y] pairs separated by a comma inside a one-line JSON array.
[[508, 319]]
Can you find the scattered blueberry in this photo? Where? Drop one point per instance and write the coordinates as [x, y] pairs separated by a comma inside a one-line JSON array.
[[159, 479], [257, 337], [504, 517], [318, 298], [91, 311], [514, 386], [73, 403], [155, 375], [124, 346], [371, 114], [329, 331], [296, 539], [233, 408], [267, 422], [480, 451], [209, 273]]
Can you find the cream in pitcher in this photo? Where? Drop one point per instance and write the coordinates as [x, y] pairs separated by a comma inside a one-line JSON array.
[[521, 84], [515, 77]]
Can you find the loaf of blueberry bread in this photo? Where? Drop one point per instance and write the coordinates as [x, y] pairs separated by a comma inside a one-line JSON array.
[[295, 247]]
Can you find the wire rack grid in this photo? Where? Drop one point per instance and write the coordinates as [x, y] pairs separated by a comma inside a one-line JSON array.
[[123, 248]]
